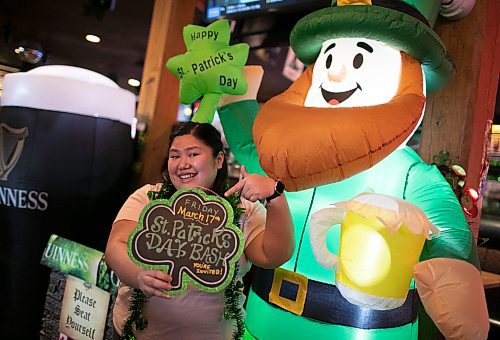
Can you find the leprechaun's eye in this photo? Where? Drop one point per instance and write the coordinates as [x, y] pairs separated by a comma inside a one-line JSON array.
[[329, 61], [358, 61]]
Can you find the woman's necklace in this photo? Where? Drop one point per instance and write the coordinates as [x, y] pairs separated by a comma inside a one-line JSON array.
[[232, 293]]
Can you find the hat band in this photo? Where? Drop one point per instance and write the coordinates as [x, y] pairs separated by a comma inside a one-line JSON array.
[[401, 7]]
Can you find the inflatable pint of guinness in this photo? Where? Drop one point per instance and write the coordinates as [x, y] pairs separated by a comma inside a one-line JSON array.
[[65, 157]]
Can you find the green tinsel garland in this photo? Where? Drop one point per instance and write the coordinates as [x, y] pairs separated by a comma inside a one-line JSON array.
[[136, 319], [232, 293]]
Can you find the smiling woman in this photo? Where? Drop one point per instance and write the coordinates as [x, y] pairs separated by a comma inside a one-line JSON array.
[[196, 160]]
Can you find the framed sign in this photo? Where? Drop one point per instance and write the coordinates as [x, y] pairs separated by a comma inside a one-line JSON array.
[[84, 311], [191, 237]]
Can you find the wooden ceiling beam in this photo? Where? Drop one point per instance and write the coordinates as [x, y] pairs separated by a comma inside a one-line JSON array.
[[158, 98]]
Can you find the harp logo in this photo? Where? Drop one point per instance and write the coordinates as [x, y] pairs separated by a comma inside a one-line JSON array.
[[11, 148]]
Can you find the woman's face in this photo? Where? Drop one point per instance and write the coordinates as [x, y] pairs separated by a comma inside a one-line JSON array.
[[191, 163]]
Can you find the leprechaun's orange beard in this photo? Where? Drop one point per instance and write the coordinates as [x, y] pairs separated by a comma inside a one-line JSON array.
[[305, 147]]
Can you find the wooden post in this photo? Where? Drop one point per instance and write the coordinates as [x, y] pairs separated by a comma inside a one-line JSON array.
[[158, 99], [457, 117]]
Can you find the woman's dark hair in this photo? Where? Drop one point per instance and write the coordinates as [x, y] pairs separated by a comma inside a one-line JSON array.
[[211, 137]]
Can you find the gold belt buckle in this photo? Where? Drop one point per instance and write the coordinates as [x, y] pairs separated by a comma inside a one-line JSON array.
[[295, 306]]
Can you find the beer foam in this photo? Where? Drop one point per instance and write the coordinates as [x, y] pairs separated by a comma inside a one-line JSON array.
[[391, 212]]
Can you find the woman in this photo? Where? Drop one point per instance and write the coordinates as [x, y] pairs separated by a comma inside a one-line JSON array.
[[196, 159]]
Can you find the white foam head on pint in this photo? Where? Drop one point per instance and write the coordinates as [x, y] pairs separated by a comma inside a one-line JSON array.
[[69, 89]]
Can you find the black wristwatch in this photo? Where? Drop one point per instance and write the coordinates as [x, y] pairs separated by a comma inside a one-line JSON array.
[[278, 190]]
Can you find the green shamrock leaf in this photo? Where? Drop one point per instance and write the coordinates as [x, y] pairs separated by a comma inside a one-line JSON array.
[[209, 68]]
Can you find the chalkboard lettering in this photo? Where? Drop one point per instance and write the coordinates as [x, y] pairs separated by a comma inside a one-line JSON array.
[[191, 237]]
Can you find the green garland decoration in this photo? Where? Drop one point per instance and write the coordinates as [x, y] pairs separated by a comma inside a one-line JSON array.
[[232, 293], [136, 319], [232, 308]]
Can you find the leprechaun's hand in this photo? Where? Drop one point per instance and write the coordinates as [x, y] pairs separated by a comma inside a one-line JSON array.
[[453, 295], [209, 68]]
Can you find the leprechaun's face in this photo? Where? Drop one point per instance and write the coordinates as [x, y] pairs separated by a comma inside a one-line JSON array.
[[352, 72], [310, 135]]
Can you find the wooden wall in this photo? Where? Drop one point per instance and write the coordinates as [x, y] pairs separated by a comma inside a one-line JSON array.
[[456, 117]]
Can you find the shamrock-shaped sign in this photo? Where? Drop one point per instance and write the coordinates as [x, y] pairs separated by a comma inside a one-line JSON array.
[[209, 68], [191, 237]]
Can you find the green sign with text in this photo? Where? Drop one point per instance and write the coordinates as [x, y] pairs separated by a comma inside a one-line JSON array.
[[80, 261]]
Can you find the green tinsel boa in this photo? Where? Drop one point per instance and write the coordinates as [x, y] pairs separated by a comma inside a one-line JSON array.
[[232, 293]]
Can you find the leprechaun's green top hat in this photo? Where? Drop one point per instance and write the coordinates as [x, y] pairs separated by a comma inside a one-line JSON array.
[[403, 24]]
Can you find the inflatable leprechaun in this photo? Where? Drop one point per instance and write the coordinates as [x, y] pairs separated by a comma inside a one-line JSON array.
[[340, 131]]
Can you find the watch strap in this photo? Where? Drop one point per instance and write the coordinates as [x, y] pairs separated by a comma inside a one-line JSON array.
[[279, 188]]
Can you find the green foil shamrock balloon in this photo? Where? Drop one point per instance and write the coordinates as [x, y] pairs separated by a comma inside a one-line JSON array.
[[209, 68]]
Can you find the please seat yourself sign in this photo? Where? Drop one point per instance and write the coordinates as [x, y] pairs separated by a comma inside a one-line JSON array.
[[191, 237]]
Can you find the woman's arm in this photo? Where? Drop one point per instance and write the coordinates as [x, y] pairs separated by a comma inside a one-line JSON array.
[[151, 282], [275, 244]]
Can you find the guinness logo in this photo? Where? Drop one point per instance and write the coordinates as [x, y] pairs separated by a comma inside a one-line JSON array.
[[11, 147]]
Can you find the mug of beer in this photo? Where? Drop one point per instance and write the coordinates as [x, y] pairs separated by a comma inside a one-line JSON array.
[[381, 238]]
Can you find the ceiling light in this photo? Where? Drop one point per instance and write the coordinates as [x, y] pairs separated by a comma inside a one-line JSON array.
[[134, 82], [29, 52], [92, 38]]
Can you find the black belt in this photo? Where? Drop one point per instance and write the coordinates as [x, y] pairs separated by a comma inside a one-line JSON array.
[[324, 303]]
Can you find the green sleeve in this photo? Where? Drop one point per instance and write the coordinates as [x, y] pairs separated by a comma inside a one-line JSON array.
[[426, 188], [237, 121]]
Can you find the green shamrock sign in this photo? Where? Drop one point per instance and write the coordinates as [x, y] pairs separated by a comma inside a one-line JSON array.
[[209, 68], [190, 236]]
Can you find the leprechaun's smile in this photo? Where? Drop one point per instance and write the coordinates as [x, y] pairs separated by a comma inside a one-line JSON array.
[[335, 98]]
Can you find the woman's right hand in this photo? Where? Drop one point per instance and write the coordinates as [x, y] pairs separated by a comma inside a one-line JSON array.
[[154, 283], [252, 187]]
